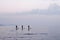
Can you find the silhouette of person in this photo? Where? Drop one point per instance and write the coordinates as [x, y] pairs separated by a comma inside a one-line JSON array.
[[22, 27], [28, 28], [16, 27]]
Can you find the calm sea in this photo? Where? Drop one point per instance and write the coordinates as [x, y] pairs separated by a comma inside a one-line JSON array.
[[35, 33]]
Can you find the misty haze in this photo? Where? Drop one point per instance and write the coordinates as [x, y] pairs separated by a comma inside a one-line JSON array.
[[30, 19]]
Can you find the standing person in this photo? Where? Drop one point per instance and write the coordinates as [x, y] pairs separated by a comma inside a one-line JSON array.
[[16, 31], [28, 28], [16, 27], [22, 27]]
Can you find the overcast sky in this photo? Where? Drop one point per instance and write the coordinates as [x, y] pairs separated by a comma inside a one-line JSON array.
[[13, 6]]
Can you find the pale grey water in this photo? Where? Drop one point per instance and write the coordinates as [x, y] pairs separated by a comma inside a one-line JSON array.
[[9, 33], [36, 33]]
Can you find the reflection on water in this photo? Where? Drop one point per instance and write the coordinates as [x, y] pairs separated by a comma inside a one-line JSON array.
[[9, 33]]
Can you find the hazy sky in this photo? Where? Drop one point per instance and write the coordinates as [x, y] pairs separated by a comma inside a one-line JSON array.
[[13, 6]]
